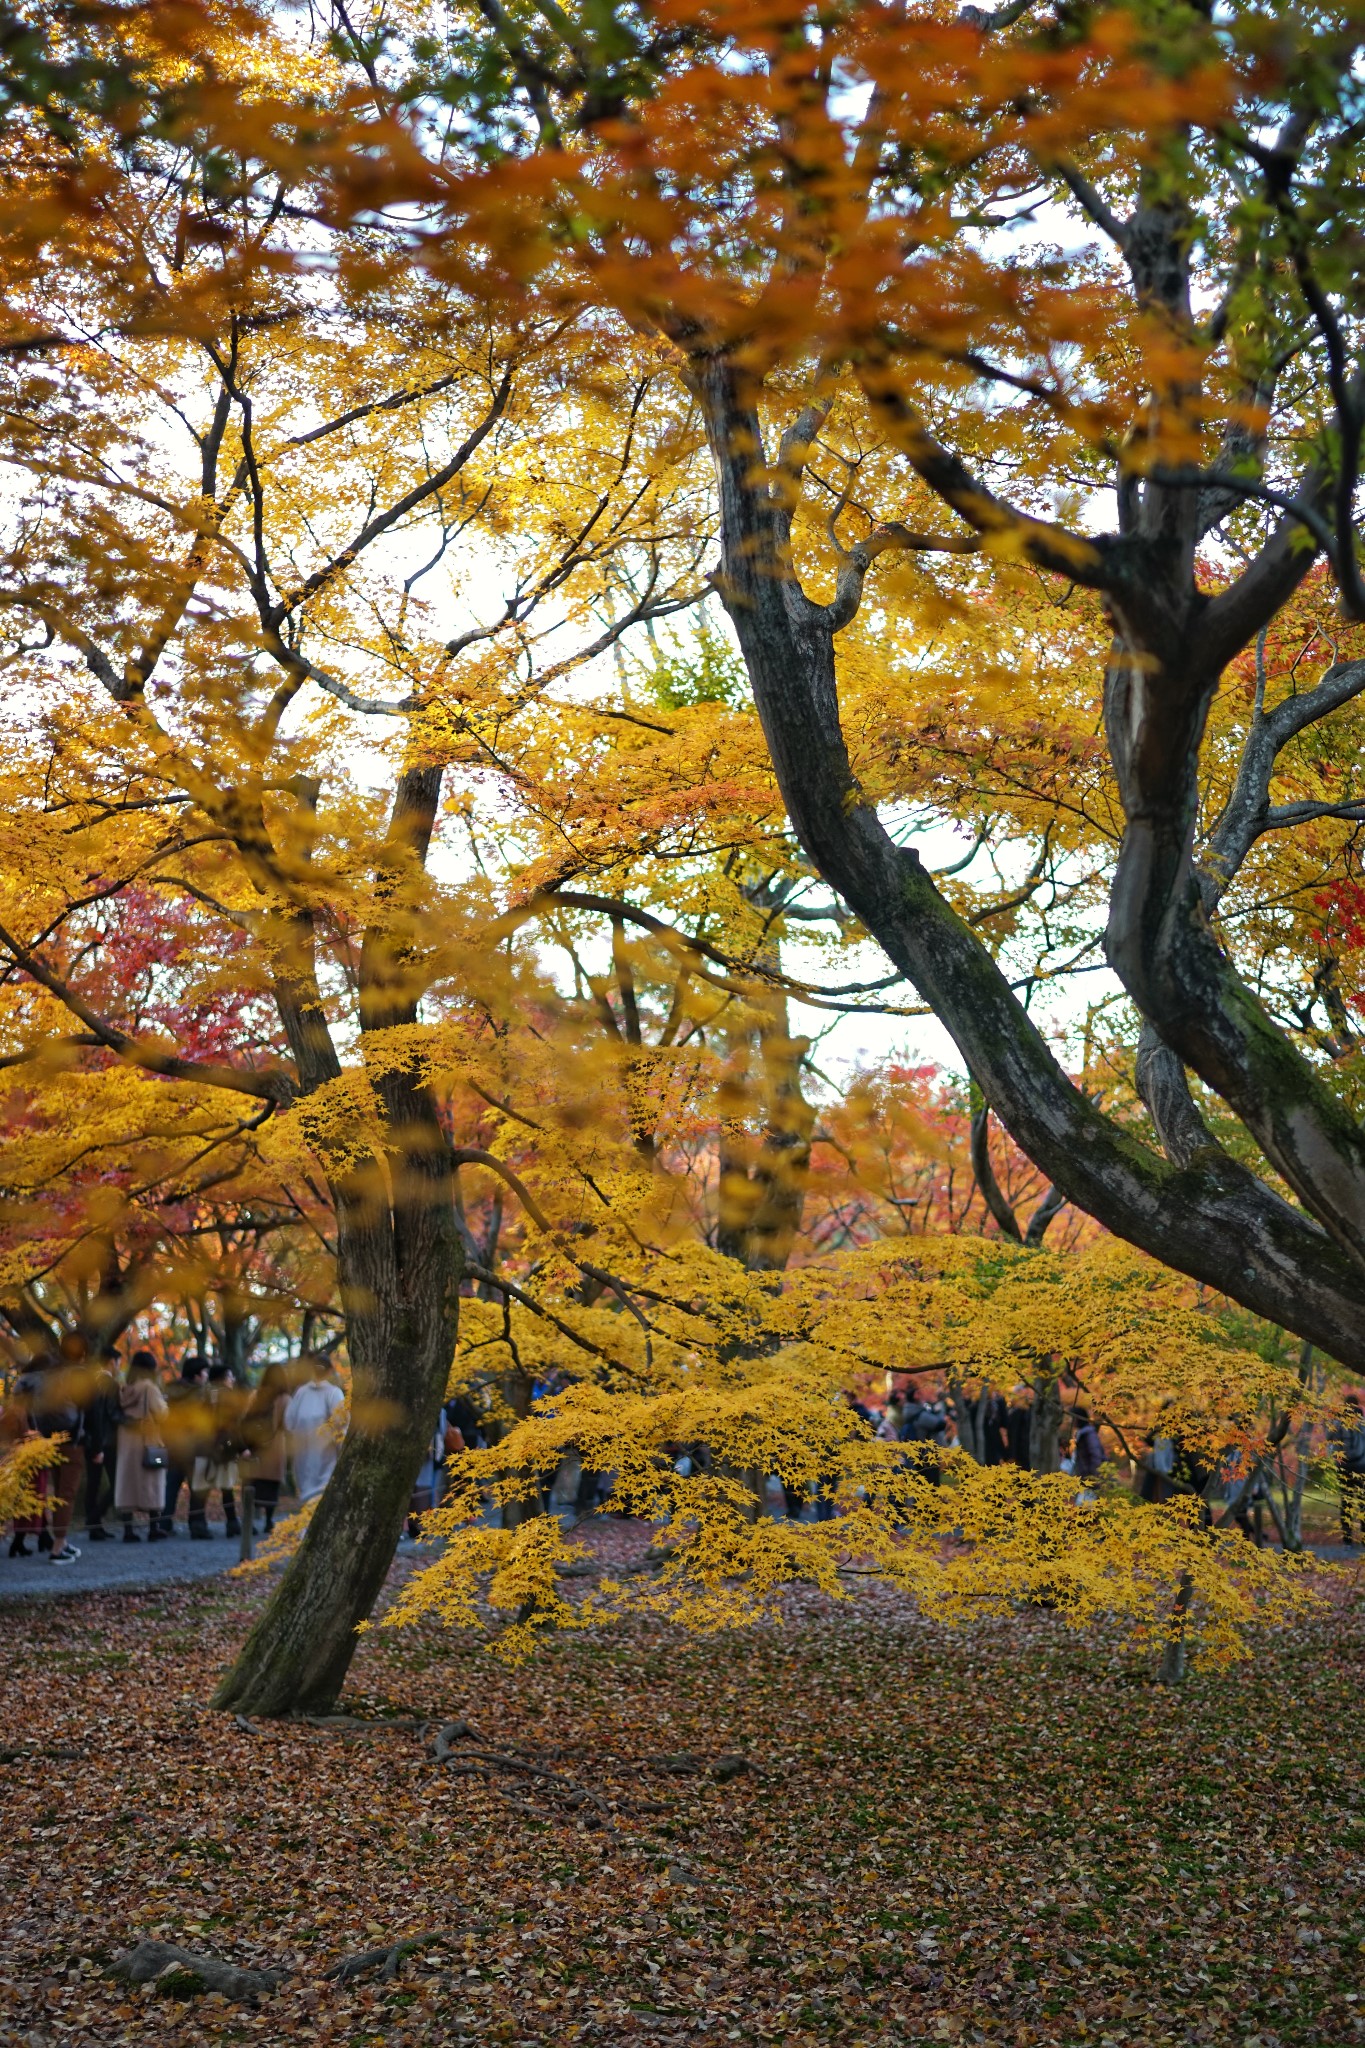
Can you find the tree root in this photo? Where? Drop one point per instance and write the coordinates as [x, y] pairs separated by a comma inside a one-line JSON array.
[[186, 1973], [484, 1762], [361, 1724], [388, 1961], [181, 1973], [447, 1735]]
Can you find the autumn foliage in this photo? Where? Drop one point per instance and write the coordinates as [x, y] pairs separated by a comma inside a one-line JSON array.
[[419, 898]]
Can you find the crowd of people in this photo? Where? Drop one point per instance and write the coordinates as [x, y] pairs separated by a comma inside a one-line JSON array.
[[136, 1437], [1003, 1429], [134, 1440]]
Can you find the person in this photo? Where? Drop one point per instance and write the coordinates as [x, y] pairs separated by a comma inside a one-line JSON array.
[[462, 1418], [927, 1424], [140, 1477], [308, 1424], [1087, 1446], [423, 1496], [1347, 1438], [994, 1425], [215, 1468], [1193, 1473], [1018, 1419], [267, 1445], [56, 1412], [99, 1439], [1157, 1464], [184, 1437], [16, 1425], [1252, 1498]]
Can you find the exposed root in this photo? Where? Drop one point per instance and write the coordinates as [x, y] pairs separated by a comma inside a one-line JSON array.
[[388, 1961], [184, 1973]]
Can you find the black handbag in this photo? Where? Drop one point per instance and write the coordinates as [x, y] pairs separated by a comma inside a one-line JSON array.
[[154, 1458]]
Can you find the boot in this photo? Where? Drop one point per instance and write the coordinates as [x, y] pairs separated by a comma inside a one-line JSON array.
[[130, 1534], [232, 1527], [44, 1539], [155, 1533], [19, 1548]]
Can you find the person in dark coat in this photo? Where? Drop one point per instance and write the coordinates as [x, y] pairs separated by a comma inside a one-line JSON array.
[[1017, 1422], [184, 1435], [995, 1448], [1089, 1449], [99, 1441], [53, 1398]]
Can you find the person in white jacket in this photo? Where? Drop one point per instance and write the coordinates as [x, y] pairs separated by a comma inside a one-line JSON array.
[[313, 1441]]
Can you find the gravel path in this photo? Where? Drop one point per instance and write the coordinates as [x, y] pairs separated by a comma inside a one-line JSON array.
[[116, 1566]]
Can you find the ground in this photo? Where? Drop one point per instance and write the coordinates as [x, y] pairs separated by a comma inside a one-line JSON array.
[[102, 1566], [1004, 1836]]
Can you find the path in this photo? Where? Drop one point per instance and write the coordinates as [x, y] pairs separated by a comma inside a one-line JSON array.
[[117, 1566]]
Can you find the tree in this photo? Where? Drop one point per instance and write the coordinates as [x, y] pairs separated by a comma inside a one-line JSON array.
[[335, 468], [927, 278], [197, 571]]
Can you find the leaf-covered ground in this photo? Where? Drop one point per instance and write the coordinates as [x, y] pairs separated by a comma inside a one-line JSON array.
[[1006, 1836]]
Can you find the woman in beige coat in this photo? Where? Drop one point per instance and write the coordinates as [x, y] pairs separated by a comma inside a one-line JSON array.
[[263, 1429], [140, 1486]]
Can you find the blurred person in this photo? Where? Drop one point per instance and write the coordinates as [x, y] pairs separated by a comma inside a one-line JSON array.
[[1018, 1421], [308, 1424], [215, 1468], [100, 1442], [56, 1412], [994, 1423], [185, 1424], [1157, 1464], [140, 1478], [16, 1424], [263, 1431], [1347, 1440]]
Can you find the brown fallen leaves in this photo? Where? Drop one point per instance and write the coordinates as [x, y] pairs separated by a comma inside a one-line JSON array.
[[855, 1829]]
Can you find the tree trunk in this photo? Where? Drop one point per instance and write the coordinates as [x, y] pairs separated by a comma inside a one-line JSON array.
[[1174, 1658], [1291, 1519], [401, 1336], [1211, 1217], [969, 1415], [296, 1658], [400, 1260], [1045, 1426]]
